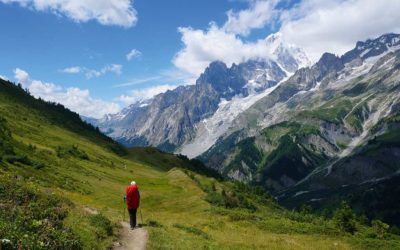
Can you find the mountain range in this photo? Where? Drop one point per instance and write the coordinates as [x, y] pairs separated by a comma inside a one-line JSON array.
[[189, 119], [329, 132], [304, 132]]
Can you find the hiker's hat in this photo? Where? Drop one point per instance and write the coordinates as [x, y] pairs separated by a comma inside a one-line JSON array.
[[133, 183]]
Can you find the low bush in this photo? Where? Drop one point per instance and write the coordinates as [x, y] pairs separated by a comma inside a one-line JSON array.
[[235, 197], [302, 216], [74, 151], [228, 199], [394, 230], [345, 219], [102, 224], [6, 147], [215, 199], [18, 158], [32, 220], [23, 159], [380, 228]]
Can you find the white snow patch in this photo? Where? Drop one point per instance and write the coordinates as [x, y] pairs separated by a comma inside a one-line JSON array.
[[316, 87], [394, 48], [300, 193], [209, 130], [365, 52], [349, 73]]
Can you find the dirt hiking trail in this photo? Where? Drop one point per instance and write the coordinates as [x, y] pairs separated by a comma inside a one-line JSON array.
[[131, 239]]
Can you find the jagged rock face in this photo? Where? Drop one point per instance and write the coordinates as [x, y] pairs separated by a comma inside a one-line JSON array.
[[169, 119], [179, 120], [314, 131], [227, 82], [371, 48]]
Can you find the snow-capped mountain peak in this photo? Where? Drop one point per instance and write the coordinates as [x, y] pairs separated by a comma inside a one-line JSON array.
[[289, 56], [373, 47], [204, 111]]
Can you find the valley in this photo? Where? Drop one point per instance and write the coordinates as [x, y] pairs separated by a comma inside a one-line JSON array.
[[184, 204]]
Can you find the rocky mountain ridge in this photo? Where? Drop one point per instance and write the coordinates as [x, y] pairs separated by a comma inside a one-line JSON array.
[[174, 121], [329, 127]]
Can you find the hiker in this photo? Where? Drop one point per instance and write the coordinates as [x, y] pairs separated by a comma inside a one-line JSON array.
[[132, 199]]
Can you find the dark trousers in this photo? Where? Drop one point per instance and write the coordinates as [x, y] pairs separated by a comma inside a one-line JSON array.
[[132, 216]]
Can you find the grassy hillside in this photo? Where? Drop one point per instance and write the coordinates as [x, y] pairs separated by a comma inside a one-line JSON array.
[[56, 172]]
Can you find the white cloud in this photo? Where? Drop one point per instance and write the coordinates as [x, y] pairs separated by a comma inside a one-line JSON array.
[[75, 99], [336, 25], [90, 73], [3, 77], [138, 95], [113, 68], [134, 53], [257, 16], [173, 76], [202, 47], [138, 81], [106, 12], [72, 70], [21, 76], [177, 76], [313, 25], [223, 43]]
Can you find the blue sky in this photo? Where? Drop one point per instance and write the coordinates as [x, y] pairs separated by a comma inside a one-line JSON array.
[[43, 44], [172, 40]]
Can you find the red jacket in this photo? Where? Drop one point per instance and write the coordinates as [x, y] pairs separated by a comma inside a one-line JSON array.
[[132, 196]]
